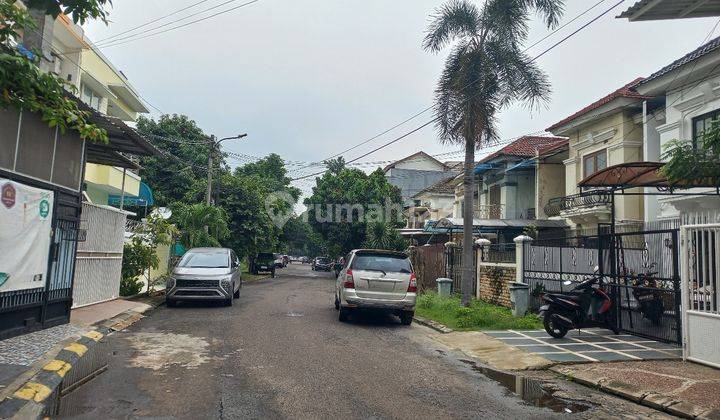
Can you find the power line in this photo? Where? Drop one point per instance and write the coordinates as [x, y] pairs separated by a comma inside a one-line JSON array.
[[436, 118], [114, 43], [150, 22], [468, 85]]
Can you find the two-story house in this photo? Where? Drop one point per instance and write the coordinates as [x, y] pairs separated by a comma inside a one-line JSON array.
[[682, 100], [506, 197], [416, 172], [606, 132], [104, 88]]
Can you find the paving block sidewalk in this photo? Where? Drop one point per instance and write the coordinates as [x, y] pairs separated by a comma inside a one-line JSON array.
[[680, 388]]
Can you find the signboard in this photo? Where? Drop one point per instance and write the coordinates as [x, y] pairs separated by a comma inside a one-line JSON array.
[[25, 235]]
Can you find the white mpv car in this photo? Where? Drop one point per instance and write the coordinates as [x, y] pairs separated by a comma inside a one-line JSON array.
[[376, 280]]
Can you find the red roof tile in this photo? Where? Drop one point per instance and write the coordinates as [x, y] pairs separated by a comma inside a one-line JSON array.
[[525, 147], [627, 91]]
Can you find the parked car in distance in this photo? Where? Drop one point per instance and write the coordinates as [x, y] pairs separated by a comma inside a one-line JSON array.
[[264, 262], [305, 260], [205, 274], [322, 264], [279, 262], [376, 280]]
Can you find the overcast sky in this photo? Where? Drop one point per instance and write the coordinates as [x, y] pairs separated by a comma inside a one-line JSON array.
[[309, 78]]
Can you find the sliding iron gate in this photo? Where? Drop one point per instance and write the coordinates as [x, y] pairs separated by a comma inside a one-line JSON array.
[[640, 271]]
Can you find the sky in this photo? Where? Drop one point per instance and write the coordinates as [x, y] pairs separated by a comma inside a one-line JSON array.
[[307, 79]]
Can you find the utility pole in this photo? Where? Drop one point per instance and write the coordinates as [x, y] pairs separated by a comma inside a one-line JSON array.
[[215, 145]]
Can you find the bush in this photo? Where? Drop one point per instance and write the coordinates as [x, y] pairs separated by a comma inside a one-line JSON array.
[[130, 287]]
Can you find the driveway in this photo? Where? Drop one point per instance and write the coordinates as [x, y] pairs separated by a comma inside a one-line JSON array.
[[280, 352]]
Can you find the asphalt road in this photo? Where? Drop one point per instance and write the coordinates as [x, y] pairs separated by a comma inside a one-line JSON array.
[[280, 352]]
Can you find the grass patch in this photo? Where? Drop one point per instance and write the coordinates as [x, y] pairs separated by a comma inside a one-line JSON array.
[[479, 316]]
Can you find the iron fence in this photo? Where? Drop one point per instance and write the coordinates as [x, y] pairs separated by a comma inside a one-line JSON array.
[[453, 267]]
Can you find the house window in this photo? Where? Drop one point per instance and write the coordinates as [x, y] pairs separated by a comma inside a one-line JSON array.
[[702, 123], [594, 162], [91, 98]]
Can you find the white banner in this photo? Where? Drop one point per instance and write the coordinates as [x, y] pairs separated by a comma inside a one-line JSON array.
[[25, 235]]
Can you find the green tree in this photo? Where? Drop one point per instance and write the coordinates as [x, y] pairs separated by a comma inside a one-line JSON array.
[[485, 71], [176, 180], [343, 200], [694, 164], [24, 86], [80, 10], [140, 254], [192, 221], [381, 235]]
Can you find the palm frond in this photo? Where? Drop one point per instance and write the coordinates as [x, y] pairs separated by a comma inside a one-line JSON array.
[[456, 19]]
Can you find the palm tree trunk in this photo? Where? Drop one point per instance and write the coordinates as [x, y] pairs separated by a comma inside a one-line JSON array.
[[468, 265]]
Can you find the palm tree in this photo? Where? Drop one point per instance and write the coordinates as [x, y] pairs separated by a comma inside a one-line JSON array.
[[485, 71]]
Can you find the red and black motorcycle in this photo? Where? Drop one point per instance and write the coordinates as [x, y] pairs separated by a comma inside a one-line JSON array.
[[647, 293], [586, 305]]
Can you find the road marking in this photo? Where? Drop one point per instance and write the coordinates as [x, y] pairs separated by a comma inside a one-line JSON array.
[[77, 348], [58, 366], [33, 391]]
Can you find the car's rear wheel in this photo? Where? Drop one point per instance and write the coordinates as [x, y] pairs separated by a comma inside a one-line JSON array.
[[236, 295], [272, 273], [343, 315], [406, 317], [337, 303]]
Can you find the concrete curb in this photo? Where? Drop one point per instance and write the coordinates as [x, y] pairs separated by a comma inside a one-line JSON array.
[[433, 324], [654, 400], [39, 396]]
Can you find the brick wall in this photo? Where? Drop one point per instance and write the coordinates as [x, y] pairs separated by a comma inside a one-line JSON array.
[[493, 282]]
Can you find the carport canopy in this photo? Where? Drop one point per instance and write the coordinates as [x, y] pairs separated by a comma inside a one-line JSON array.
[[635, 175]]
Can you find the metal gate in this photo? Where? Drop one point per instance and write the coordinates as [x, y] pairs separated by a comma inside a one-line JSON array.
[[643, 268], [640, 269], [453, 267], [700, 295]]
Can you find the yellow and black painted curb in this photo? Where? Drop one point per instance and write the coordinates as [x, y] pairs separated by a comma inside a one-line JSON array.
[[42, 391]]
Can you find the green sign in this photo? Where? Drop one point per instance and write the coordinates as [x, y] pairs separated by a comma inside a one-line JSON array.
[[44, 208]]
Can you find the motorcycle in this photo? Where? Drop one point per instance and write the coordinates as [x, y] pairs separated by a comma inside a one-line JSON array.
[[647, 294], [585, 306]]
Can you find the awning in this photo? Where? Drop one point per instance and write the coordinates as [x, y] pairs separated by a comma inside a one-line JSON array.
[[525, 164], [483, 167], [122, 138], [144, 198], [634, 175], [455, 225]]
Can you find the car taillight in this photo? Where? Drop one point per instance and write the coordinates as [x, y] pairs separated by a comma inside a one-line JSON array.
[[412, 287], [349, 282]]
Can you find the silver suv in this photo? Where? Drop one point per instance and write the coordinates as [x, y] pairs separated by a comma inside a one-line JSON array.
[[379, 280], [205, 274]]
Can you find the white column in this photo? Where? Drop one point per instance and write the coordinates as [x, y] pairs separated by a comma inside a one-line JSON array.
[[520, 257]]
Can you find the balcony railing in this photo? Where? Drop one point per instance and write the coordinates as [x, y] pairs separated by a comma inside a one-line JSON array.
[[586, 200], [488, 211]]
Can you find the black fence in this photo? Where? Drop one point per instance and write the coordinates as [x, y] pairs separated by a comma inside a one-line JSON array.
[[640, 270]]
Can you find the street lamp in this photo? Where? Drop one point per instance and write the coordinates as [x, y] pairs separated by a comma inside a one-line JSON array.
[[215, 145]]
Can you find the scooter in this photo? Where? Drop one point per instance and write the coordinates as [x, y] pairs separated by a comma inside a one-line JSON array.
[[585, 306], [647, 294]]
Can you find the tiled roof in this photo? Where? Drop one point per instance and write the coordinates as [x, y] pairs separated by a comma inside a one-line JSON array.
[[445, 186], [545, 150], [525, 147], [627, 91], [692, 56]]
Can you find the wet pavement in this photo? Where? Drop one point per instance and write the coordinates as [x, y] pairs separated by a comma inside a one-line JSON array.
[[280, 352]]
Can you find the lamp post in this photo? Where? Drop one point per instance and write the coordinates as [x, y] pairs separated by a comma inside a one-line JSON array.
[[215, 145]]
